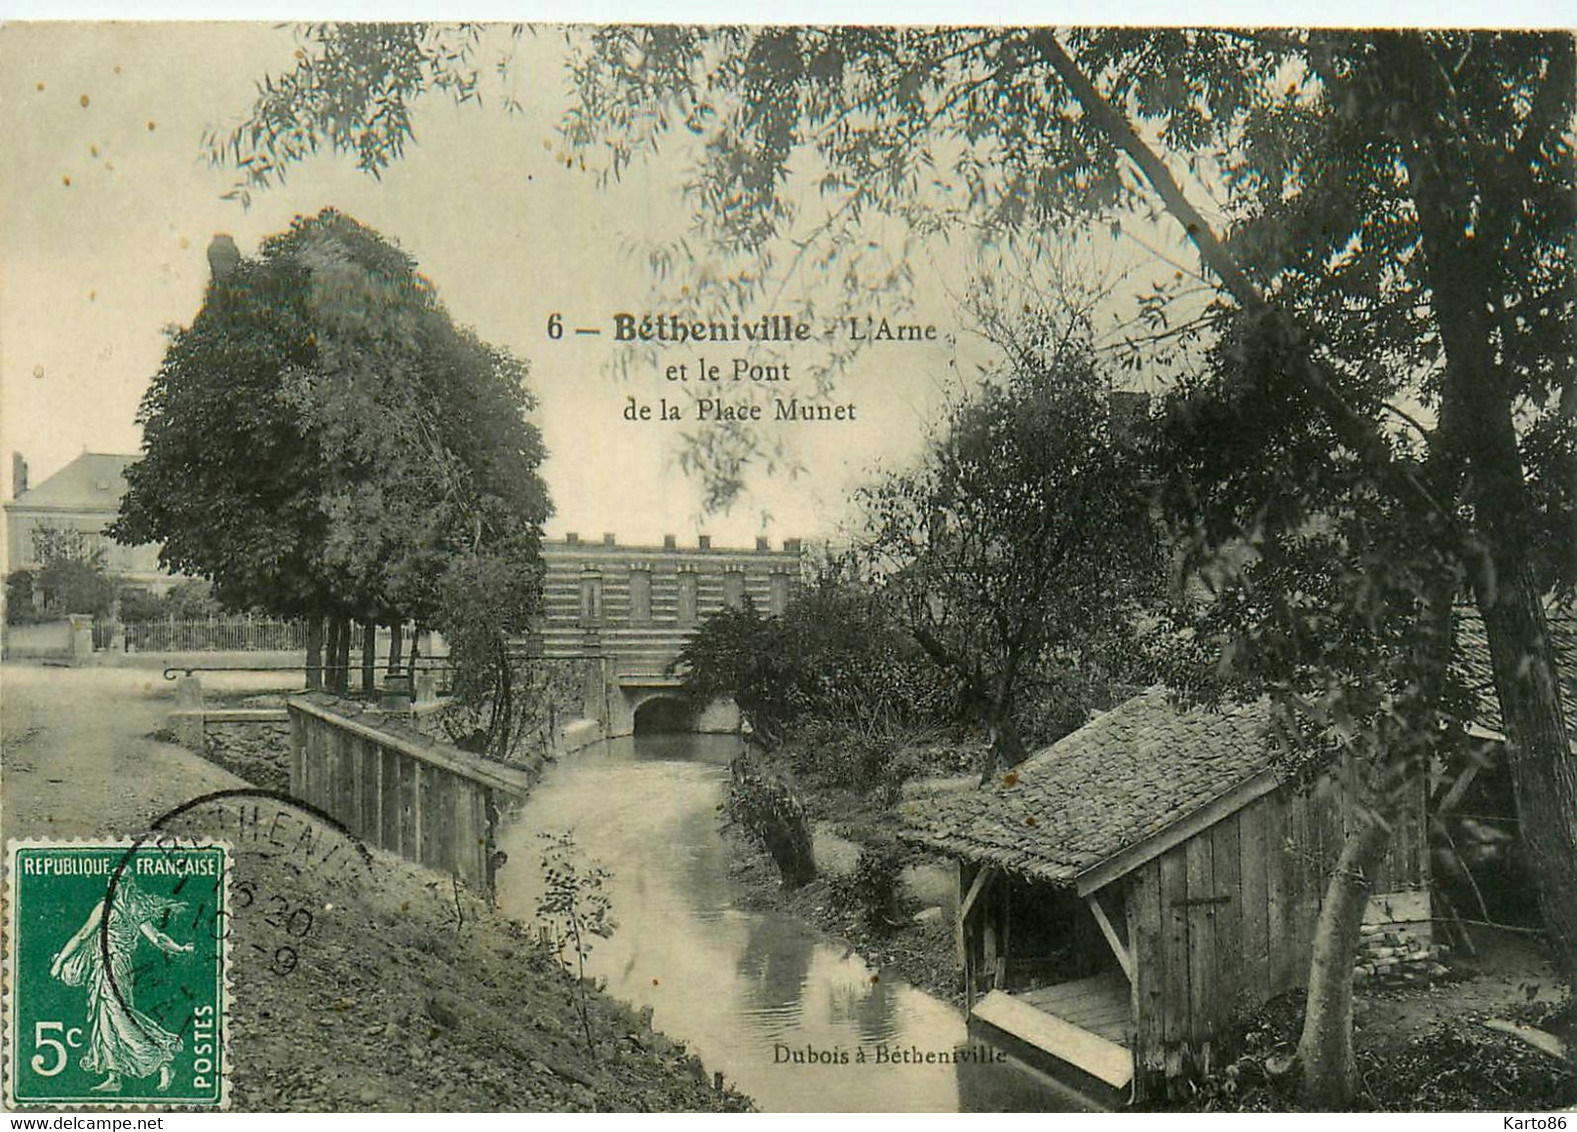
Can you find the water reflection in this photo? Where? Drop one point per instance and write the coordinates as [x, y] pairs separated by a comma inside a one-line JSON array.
[[786, 1015]]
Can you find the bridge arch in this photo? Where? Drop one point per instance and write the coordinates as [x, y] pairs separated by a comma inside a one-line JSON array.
[[663, 712]]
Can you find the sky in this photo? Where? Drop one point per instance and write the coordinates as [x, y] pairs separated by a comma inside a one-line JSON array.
[[110, 203]]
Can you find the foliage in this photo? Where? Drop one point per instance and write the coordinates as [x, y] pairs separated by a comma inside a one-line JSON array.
[[1455, 1067], [349, 439], [540, 693], [190, 600], [873, 889], [137, 604], [19, 609], [1021, 550], [834, 656], [767, 809], [359, 456], [70, 578], [576, 909]]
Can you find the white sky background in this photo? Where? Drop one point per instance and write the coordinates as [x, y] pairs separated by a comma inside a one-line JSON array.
[[94, 268]]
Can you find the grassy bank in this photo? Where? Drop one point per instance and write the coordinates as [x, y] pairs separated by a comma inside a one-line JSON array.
[[1432, 1064], [411, 995], [919, 952], [900, 935]]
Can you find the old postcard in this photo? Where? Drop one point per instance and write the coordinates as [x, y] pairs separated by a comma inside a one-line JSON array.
[[788, 568]]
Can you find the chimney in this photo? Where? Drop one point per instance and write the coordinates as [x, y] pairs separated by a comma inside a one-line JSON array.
[[761, 544], [223, 255], [18, 474], [670, 542], [704, 542], [571, 538], [607, 539]]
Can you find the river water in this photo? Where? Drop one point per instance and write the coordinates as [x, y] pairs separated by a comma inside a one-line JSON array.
[[786, 1015]]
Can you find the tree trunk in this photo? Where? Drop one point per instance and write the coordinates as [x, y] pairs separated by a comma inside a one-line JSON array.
[[1476, 395], [1543, 770], [314, 653], [1007, 746], [1328, 1074], [396, 646], [1476, 400], [369, 657], [342, 660], [789, 842]]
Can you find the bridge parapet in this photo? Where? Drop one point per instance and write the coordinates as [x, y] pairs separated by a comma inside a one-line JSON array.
[[427, 801]]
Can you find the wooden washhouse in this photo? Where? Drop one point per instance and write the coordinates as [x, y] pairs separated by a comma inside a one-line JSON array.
[[1138, 885]]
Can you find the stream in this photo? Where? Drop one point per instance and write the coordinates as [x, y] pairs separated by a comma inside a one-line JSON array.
[[785, 1013]]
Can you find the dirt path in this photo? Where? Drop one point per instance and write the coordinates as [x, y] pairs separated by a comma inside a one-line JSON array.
[[404, 993], [76, 758]]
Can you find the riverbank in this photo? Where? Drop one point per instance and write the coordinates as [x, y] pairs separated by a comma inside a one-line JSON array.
[[383, 987], [419, 997], [920, 951], [912, 937]]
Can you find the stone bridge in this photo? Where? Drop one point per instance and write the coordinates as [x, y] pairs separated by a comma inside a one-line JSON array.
[[628, 610]]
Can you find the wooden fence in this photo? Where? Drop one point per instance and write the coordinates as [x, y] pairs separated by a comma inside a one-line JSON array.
[[427, 801]]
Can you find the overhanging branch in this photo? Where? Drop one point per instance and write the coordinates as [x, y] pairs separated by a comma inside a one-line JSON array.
[[1352, 428]]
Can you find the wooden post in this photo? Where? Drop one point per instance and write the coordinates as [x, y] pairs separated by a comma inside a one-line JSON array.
[[1112, 939], [298, 754], [1006, 891], [396, 645]]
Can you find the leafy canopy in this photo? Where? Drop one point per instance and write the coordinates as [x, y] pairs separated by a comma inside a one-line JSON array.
[[323, 440]]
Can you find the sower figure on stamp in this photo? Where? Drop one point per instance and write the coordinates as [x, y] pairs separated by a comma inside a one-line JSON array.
[[122, 1041]]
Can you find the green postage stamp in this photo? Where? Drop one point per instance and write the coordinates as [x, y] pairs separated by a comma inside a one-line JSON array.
[[116, 974]]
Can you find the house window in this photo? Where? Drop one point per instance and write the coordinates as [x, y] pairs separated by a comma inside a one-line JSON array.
[[640, 594], [687, 592], [734, 589], [590, 599]]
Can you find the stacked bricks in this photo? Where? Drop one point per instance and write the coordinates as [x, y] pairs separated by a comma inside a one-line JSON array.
[[1392, 957]]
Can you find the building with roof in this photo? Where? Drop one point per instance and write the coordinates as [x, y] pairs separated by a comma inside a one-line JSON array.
[[1135, 886], [625, 612], [83, 496]]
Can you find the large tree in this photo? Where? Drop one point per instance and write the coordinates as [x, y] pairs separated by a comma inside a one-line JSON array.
[[324, 442], [1389, 235], [1021, 550]]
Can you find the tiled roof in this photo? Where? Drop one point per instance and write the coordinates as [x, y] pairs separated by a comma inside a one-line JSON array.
[[1473, 666], [1124, 776], [94, 481]]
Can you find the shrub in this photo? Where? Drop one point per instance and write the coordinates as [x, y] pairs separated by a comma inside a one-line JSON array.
[[768, 810], [872, 890]]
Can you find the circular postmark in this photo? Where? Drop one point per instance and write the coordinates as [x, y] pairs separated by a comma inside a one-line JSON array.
[[262, 821], [226, 858], [268, 822]]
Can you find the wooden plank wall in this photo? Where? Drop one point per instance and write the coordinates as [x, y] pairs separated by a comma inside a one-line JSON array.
[[1224, 921], [424, 805]]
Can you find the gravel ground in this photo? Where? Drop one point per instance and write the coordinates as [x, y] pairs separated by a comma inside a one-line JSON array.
[[258, 752]]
